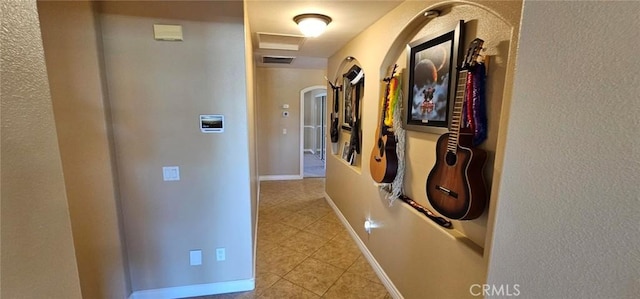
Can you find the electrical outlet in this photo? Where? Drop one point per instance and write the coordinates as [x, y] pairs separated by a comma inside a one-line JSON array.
[[221, 254], [195, 257]]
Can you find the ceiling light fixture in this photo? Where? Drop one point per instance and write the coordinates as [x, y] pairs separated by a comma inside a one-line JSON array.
[[311, 24]]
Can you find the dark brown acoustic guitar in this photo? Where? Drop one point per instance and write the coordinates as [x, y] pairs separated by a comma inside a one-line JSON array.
[[384, 160], [455, 185]]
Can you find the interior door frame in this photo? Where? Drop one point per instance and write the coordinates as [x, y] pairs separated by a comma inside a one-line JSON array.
[[302, 92]]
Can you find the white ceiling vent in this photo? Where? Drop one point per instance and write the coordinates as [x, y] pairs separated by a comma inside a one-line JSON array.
[[272, 41], [277, 59]]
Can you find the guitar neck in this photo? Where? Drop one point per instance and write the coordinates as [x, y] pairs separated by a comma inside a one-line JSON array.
[[336, 96], [456, 117], [383, 112], [385, 101]]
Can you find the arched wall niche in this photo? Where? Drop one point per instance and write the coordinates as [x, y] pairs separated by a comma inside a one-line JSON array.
[[498, 34], [345, 135], [345, 65]]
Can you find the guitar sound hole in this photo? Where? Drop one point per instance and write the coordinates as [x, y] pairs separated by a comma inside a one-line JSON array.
[[381, 146], [451, 158]]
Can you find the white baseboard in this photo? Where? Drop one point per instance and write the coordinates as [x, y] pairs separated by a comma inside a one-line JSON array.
[[280, 177], [196, 290], [386, 281], [308, 150]]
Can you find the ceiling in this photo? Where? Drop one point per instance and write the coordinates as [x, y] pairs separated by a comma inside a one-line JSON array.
[[349, 19]]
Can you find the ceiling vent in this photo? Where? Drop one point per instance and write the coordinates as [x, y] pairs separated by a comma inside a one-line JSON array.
[[272, 41], [277, 59]]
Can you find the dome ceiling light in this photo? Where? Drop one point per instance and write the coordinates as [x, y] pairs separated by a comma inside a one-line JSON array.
[[311, 24]]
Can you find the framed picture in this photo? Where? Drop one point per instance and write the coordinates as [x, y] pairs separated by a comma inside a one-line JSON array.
[[347, 96], [432, 63], [345, 152], [351, 80]]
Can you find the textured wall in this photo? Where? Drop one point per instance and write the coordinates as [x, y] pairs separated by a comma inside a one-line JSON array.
[[72, 51], [157, 90], [278, 153], [567, 219], [38, 257]]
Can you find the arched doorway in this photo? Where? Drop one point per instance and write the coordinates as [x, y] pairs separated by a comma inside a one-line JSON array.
[[313, 110]]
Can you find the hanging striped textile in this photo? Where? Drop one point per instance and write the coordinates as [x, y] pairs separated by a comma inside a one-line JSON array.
[[475, 109]]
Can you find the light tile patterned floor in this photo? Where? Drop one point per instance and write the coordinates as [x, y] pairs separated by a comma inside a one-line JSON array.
[[304, 251]]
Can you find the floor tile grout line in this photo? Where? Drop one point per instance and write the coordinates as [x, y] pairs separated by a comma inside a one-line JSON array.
[[343, 272], [334, 283]]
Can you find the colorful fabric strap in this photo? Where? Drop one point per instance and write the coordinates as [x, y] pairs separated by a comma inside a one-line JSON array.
[[392, 99], [475, 109]]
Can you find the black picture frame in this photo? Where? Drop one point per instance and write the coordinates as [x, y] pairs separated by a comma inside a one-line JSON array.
[[431, 88], [352, 79], [347, 103]]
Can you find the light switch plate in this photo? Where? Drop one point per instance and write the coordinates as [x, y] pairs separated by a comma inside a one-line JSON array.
[[171, 173], [195, 257]]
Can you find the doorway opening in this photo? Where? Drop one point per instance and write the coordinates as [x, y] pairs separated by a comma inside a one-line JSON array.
[[313, 110]]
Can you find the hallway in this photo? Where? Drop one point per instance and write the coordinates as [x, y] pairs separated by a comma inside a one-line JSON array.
[[304, 251], [313, 166]]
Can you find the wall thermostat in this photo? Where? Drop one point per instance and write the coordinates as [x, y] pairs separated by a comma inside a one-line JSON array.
[[212, 123]]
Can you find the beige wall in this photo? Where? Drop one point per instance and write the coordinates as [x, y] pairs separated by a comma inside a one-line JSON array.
[[157, 90], [73, 55], [38, 257], [425, 258], [279, 153], [568, 214]]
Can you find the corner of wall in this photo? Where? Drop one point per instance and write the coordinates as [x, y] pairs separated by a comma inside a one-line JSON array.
[[38, 255], [252, 128]]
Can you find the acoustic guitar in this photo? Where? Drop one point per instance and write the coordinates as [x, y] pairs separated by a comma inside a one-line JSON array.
[[384, 160], [455, 185]]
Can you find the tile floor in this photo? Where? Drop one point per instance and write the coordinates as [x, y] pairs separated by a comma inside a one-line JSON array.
[[304, 251]]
